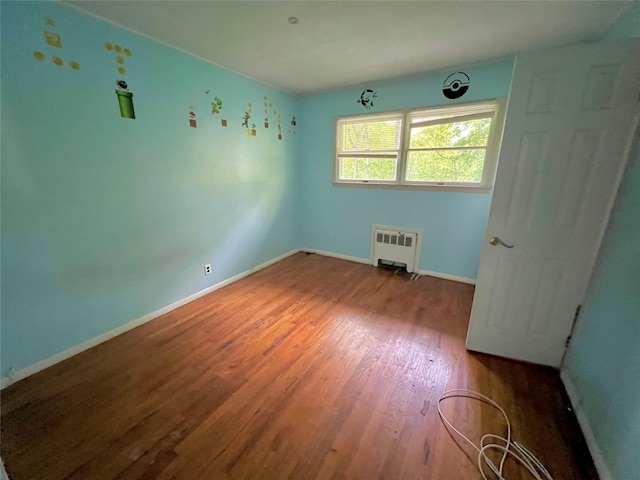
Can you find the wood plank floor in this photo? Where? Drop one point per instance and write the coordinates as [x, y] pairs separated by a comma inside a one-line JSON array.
[[314, 368]]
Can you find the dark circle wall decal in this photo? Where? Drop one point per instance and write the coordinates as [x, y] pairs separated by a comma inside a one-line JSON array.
[[455, 85]]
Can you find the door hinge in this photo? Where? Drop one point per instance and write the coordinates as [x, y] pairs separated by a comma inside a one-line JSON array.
[[573, 326]]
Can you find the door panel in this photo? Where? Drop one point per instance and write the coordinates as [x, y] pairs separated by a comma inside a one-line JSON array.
[[571, 115]]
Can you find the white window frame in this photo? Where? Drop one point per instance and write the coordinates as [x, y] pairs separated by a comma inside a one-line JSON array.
[[398, 115], [450, 113]]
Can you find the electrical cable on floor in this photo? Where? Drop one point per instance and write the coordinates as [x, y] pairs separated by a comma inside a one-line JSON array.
[[506, 445]]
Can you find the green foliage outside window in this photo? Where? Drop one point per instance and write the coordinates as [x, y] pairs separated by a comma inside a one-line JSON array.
[[368, 168], [458, 163], [445, 145], [382, 137]]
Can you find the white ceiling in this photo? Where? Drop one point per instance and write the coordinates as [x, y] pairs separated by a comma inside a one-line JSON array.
[[343, 43]]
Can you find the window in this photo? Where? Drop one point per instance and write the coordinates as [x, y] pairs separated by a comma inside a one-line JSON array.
[[368, 148], [444, 148]]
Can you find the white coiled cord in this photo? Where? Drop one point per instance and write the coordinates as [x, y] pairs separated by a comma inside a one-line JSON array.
[[516, 450]]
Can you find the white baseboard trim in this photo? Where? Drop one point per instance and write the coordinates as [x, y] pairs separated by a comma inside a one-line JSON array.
[[447, 276], [594, 449], [367, 261], [81, 347]]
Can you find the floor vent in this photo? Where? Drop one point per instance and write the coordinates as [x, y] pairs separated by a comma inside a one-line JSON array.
[[396, 247]]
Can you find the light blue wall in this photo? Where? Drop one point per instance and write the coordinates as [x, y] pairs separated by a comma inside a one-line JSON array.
[[339, 219], [106, 219], [603, 363], [604, 360], [627, 25]]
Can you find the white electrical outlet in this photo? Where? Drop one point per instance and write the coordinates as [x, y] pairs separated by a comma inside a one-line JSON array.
[[207, 269]]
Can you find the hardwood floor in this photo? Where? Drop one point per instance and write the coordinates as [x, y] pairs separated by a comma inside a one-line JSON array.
[[314, 368]]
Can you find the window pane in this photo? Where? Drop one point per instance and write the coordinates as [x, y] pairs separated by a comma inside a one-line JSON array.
[[458, 134], [371, 136], [445, 166], [368, 168]]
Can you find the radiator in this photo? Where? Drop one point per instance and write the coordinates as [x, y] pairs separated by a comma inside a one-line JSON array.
[[394, 246]]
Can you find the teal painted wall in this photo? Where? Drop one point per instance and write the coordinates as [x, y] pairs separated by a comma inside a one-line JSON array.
[[106, 219], [627, 25], [604, 360], [603, 363], [339, 219]]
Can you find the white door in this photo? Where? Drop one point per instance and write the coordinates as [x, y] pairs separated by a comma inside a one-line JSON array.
[[571, 116]]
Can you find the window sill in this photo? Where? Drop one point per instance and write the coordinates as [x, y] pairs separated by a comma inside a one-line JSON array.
[[432, 188]]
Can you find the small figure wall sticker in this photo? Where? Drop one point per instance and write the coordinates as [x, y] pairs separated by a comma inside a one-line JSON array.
[[216, 106], [366, 98], [251, 131], [53, 39], [293, 125], [125, 100], [455, 85], [192, 117], [125, 96]]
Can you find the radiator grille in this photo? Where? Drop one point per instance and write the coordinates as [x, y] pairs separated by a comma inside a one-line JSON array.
[[395, 246], [399, 239]]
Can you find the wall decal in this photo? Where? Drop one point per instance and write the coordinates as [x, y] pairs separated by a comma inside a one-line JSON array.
[[192, 117], [266, 112], [271, 115], [125, 96], [251, 130], [53, 39], [119, 58], [245, 119], [455, 85], [366, 98], [125, 100], [279, 125], [216, 106]]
